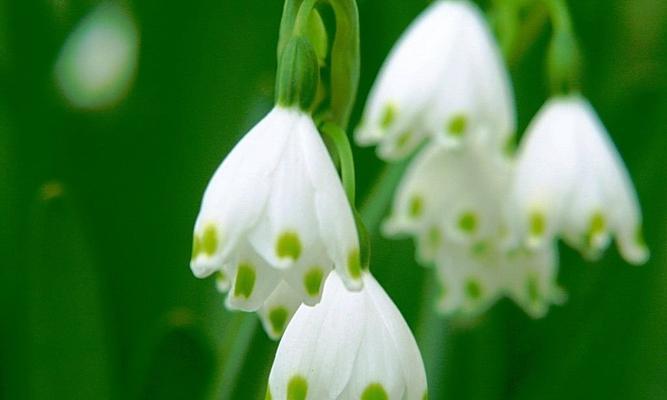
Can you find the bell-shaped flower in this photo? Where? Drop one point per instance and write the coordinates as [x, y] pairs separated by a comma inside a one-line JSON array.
[[274, 213], [352, 345], [571, 181], [450, 195], [445, 79]]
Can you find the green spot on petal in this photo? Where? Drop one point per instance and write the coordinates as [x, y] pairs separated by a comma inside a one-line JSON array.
[[434, 236], [457, 125], [297, 388], [509, 148], [532, 289], [468, 222], [374, 391], [537, 223], [403, 139], [598, 224], [473, 289], [312, 281], [245, 280], [278, 319], [480, 248], [425, 396], [388, 116], [288, 246], [416, 206], [268, 394], [209, 241], [354, 264]]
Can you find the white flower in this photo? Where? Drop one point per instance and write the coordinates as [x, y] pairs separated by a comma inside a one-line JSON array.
[[275, 211], [571, 181], [99, 59], [530, 279], [470, 278], [444, 78], [452, 195], [352, 345], [473, 278]]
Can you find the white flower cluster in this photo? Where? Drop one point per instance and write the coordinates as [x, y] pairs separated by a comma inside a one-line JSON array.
[[486, 218], [274, 221]]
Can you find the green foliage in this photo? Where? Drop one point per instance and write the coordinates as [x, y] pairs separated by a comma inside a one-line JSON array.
[[94, 278]]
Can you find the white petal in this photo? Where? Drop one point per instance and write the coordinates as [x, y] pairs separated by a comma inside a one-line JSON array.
[[278, 309], [531, 277], [337, 227], [254, 280], [545, 173]]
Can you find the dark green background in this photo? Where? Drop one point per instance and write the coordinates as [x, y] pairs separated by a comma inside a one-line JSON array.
[[96, 213]]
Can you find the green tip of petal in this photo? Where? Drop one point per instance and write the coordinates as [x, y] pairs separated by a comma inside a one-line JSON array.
[[278, 319], [209, 241], [457, 125], [297, 388], [537, 224], [312, 281], [288, 245], [268, 394], [473, 289], [468, 222], [416, 206], [425, 396], [245, 280], [354, 264], [388, 116], [374, 391]]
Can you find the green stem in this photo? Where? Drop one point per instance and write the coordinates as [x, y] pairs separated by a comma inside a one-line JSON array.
[[344, 151]]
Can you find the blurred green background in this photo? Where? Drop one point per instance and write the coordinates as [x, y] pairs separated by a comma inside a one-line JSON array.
[[97, 209]]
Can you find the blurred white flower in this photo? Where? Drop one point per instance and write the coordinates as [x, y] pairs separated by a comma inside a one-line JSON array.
[[450, 195], [275, 211], [444, 78], [571, 181], [352, 345], [98, 62]]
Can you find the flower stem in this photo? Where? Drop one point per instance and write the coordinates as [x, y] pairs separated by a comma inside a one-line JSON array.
[[344, 150]]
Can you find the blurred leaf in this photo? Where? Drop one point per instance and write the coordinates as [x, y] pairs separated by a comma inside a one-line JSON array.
[[182, 363], [67, 345]]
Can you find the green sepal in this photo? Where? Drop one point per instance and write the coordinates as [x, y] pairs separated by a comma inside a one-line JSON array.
[[298, 75]]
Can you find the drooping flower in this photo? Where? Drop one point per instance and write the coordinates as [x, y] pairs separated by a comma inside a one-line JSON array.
[[571, 181], [275, 213], [97, 64], [450, 195], [444, 79], [352, 345]]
